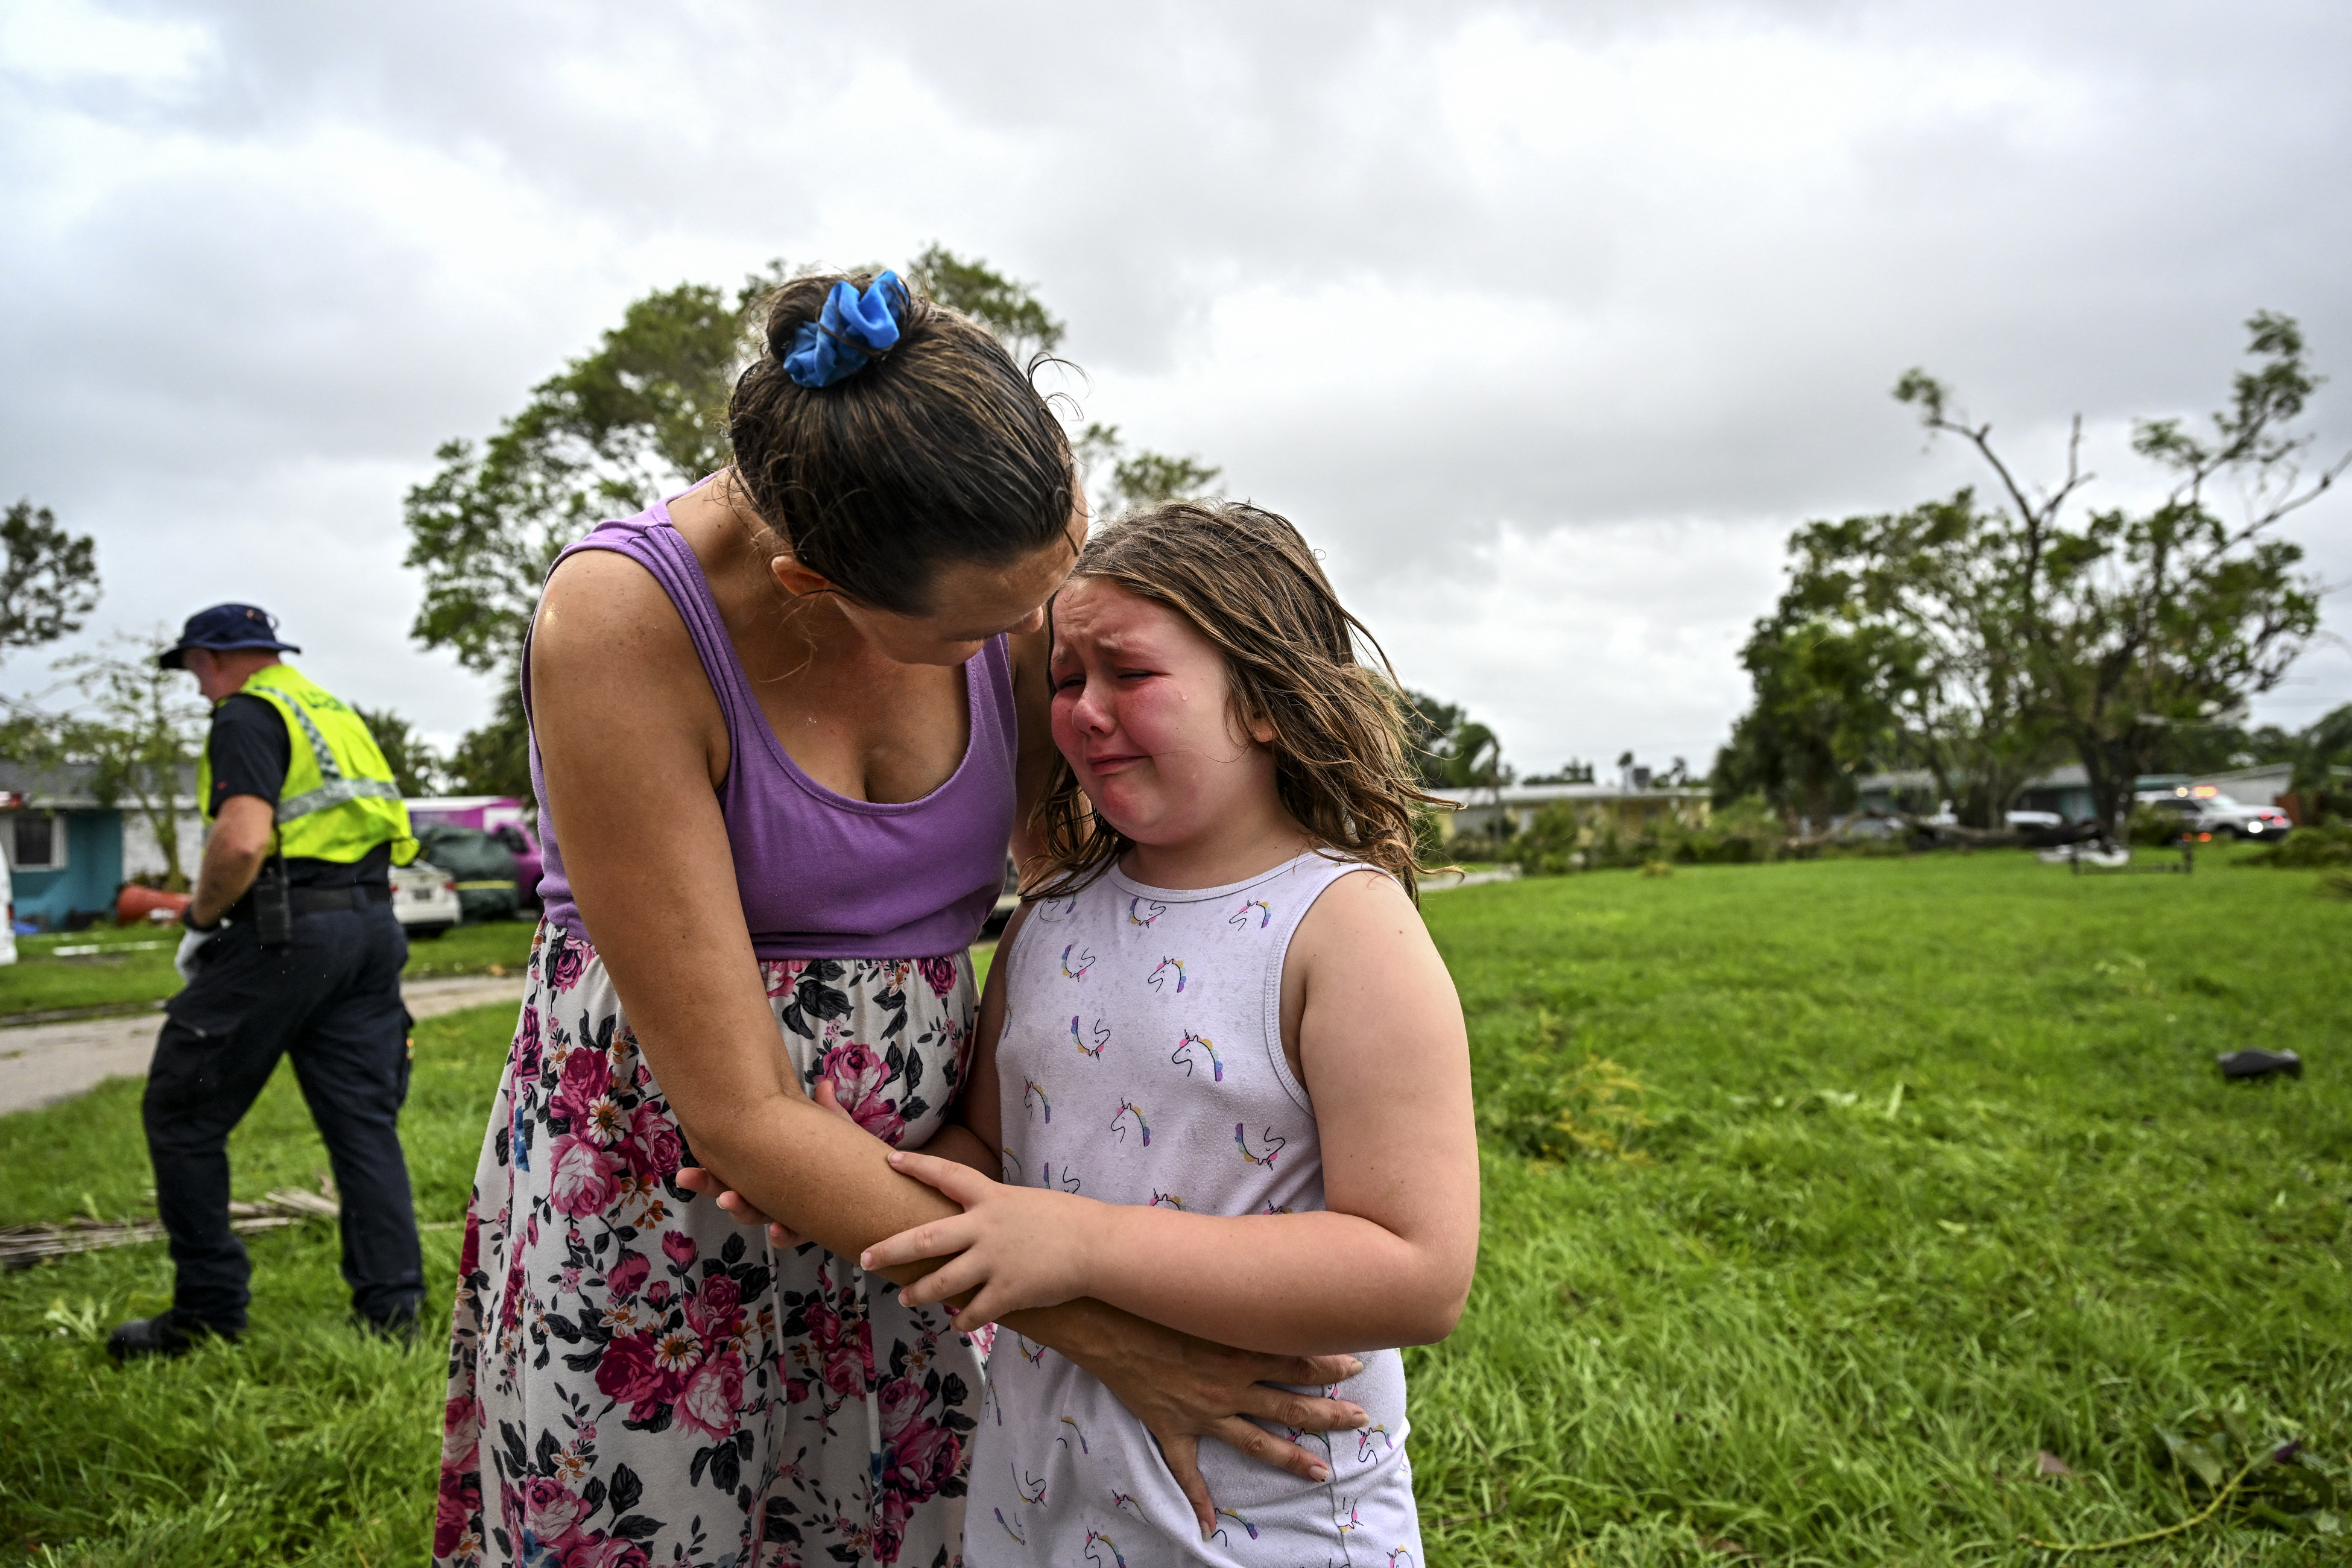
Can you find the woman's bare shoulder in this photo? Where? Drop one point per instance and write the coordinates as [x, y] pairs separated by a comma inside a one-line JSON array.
[[596, 595], [608, 640]]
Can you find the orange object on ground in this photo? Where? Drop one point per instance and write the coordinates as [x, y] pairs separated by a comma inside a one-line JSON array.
[[137, 905]]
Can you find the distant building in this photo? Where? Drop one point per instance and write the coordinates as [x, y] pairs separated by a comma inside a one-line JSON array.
[[2066, 791], [70, 854], [1633, 806]]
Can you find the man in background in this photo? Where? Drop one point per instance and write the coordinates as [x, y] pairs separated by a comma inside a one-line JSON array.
[[291, 950]]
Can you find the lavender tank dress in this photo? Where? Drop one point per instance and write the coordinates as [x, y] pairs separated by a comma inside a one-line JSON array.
[[633, 1378]]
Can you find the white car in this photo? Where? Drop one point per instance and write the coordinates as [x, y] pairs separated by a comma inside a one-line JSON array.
[[9, 902], [2203, 809], [425, 898]]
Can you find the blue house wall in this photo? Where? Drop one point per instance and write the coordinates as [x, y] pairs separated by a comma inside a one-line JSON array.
[[86, 883]]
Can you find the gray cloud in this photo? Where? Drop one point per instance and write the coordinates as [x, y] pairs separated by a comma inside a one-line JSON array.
[[1547, 322]]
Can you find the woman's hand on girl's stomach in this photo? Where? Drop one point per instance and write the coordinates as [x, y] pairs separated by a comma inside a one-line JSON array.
[[1016, 1248]]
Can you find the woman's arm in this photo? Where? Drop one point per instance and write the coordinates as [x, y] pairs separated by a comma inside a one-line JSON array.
[[1382, 1050], [630, 768]]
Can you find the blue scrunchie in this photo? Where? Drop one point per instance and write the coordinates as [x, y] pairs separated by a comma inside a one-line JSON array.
[[837, 343]]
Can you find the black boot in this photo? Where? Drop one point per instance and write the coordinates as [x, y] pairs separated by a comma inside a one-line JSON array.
[[398, 1325], [162, 1335]]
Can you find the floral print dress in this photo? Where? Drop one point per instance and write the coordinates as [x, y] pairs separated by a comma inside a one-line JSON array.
[[634, 1379]]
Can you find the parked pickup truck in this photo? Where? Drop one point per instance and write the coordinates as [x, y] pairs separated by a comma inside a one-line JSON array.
[[2202, 809]]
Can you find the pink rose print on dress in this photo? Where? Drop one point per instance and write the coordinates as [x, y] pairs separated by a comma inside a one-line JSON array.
[[581, 1179], [628, 1372], [836, 1343], [527, 1044], [628, 1275], [921, 1460], [901, 1400], [715, 1310], [549, 1509], [459, 1505], [598, 1551], [587, 1076], [566, 961], [712, 1395], [940, 972], [679, 1246], [858, 1074], [654, 1148], [782, 974]]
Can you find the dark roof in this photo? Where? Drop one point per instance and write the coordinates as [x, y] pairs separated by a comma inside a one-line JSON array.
[[68, 786]]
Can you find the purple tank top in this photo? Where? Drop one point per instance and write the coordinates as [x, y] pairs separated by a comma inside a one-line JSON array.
[[823, 875]]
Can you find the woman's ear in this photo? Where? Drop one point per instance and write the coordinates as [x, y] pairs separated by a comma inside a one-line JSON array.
[[795, 577]]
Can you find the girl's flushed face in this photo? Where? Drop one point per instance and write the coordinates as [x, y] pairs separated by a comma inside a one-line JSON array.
[[1143, 710]]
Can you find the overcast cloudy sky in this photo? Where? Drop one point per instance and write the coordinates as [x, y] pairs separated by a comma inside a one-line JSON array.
[[1547, 323]]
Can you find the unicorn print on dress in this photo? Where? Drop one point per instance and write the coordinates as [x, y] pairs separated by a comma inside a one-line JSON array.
[[1273, 1146], [1018, 1539], [1172, 1011], [1180, 1056]]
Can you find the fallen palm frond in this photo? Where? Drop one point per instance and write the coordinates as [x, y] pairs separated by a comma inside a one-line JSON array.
[[22, 1246]]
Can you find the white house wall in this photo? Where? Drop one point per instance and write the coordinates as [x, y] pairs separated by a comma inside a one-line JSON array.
[[142, 856]]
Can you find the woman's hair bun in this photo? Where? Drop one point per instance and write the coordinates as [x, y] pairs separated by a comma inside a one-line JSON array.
[[936, 449]]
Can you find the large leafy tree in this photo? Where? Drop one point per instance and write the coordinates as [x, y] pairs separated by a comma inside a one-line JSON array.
[[1931, 595], [49, 581], [141, 727], [2135, 624], [1829, 694], [644, 414], [1986, 639]]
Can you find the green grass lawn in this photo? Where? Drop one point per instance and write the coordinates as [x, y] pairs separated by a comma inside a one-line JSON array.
[[1899, 1174], [133, 966]]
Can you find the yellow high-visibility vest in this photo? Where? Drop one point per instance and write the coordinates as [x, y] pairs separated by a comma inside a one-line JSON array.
[[339, 800]]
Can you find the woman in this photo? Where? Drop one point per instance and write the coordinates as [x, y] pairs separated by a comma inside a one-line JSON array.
[[783, 728]]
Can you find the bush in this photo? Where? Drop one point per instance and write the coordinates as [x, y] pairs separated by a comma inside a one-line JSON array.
[[1563, 839], [2149, 828], [2309, 849]]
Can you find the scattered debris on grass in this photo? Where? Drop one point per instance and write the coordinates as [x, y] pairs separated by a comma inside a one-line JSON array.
[[2215, 1458], [2047, 1463], [22, 1246], [2259, 1064]]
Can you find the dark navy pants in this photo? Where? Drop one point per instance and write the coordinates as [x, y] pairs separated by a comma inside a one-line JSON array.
[[331, 1002]]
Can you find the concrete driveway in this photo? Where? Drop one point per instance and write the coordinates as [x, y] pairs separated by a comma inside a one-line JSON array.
[[41, 1064]]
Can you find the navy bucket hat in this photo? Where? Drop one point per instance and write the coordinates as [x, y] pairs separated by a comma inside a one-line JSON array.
[[223, 628]]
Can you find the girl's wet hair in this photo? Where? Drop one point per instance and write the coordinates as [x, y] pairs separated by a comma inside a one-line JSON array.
[[1246, 580], [939, 450]]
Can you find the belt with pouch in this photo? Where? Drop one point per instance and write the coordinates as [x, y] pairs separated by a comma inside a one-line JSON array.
[[352, 896], [356, 898]]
